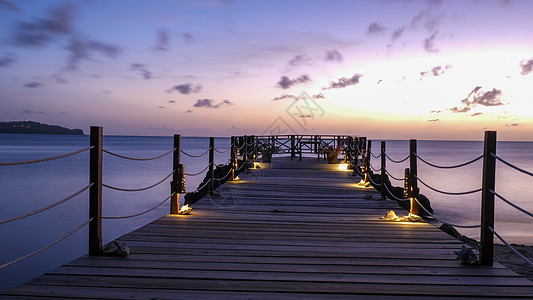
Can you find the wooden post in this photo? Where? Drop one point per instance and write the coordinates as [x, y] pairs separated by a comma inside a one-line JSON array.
[[254, 149], [245, 150], [95, 191], [367, 158], [212, 165], [415, 208], [383, 173], [176, 177], [407, 184], [487, 199], [293, 152], [233, 158]]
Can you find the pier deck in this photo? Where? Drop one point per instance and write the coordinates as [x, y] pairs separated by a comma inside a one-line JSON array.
[[286, 232]]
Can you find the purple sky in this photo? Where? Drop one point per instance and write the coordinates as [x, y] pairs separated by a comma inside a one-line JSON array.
[[382, 69]]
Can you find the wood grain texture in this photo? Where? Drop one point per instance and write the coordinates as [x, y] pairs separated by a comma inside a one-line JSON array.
[[289, 232]]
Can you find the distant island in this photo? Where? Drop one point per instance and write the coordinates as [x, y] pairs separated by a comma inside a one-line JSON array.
[[36, 127]]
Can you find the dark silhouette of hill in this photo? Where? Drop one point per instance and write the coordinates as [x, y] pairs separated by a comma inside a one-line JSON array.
[[36, 127]]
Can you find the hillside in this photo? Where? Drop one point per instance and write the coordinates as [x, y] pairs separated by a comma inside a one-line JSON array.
[[36, 127]]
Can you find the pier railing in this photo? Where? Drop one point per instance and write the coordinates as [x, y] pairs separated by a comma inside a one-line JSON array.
[[411, 194], [244, 150]]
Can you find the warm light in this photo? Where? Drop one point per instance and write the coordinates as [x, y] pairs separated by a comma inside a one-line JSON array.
[[363, 184], [257, 165], [237, 178], [185, 210], [391, 216], [343, 167]]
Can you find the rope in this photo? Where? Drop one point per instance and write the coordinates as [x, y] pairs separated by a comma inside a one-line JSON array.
[[195, 156], [196, 174], [511, 247], [141, 189], [222, 178], [45, 247], [372, 167], [394, 197], [442, 221], [450, 167], [396, 161], [372, 181], [45, 159], [132, 158], [241, 147], [447, 193], [201, 187], [390, 175], [512, 204], [219, 151], [511, 165], [142, 213], [374, 156], [47, 207]]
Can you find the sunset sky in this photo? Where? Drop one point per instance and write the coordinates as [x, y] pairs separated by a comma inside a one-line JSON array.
[[382, 69]]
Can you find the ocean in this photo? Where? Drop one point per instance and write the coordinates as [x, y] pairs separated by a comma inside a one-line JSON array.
[[25, 188]]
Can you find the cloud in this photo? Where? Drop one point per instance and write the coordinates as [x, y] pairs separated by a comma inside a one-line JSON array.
[[426, 18], [344, 82], [162, 107], [185, 89], [42, 31], [286, 83], [187, 37], [209, 103], [476, 114], [435, 112], [396, 34], [513, 125], [433, 120], [162, 40], [375, 29], [59, 79], [429, 43], [33, 84], [527, 66], [171, 101], [82, 48], [8, 5], [478, 97], [299, 60], [319, 96], [32, 112], [142, 69], [188, 111], [285, 96], [334, 56], [7, 60], [435, 71]]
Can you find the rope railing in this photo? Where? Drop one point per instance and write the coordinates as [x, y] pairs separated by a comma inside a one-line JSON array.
[[373, 182], [200, 187], [195, 156], [396, 161], [511, 204], [529, 262], [44, 159], [224, 177], [372, 167], [391, 176], [449, 167], [141, 213], [45, 247], [139, 159], [447, 193], [374, 156], [394, 197], [140, 189], [443, 221], [47, 207], [511, 165], [222, 151], [197, 173]]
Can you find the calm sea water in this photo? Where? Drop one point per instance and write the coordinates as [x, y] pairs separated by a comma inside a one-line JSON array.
[[25, 188]]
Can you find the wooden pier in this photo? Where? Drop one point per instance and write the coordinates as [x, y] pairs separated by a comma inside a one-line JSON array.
[[292, 230]]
